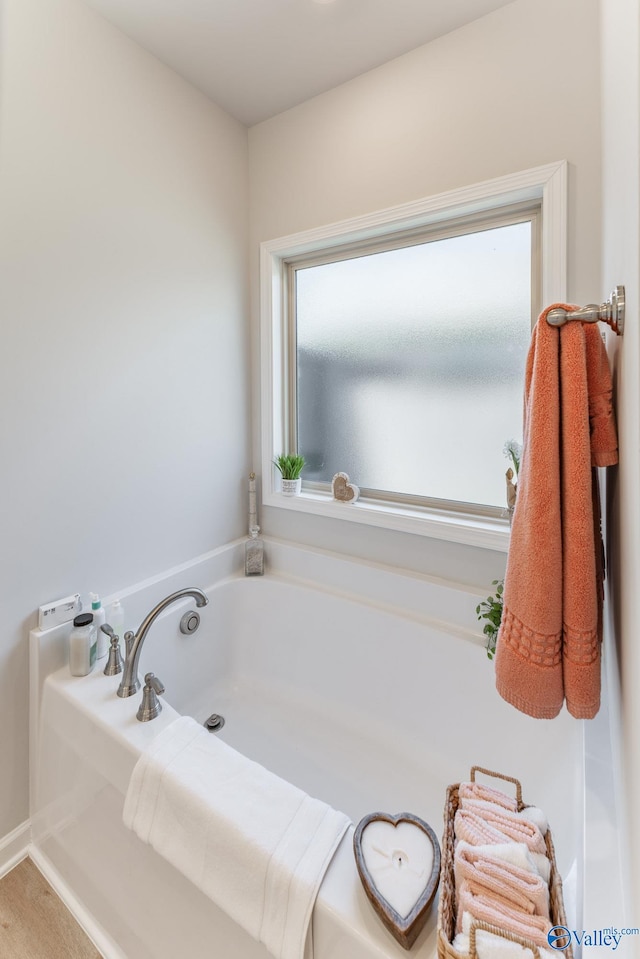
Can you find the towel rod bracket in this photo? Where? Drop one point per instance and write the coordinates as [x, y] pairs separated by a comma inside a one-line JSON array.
[[610, 312]]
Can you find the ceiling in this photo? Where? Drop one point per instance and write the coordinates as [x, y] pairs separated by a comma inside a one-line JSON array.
[[256, 58]]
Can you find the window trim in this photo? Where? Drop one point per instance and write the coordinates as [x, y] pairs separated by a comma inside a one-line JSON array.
[[547, 184]]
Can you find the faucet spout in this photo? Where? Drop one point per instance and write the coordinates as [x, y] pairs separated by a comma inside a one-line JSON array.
[[130, 680]]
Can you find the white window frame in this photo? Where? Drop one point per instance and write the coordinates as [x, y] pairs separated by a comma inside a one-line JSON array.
[[546, 184]]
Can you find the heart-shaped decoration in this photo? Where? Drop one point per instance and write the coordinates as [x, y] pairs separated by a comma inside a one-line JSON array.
[[398, 860], [344, 491]]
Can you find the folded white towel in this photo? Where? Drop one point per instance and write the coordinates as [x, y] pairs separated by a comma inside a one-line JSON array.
[[489, 946], [255, 844]]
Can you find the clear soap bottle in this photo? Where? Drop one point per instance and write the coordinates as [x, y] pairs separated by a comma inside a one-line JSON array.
[[115, 617]]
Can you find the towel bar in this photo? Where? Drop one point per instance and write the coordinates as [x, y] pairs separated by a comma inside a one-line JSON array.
[[610, 312]]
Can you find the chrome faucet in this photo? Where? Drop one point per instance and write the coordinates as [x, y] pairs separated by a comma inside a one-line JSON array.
[[130, 681]]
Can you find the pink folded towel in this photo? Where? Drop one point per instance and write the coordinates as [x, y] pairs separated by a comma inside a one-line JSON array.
[[512, 852], [486, 909], [492, 828], [515, 853], [548, 646], [531, 813], [473, 790], [475, 890], [516, 887]]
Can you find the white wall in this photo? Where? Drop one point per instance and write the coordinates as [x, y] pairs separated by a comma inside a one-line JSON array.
[[500, 95], [123, 203], [123, 352], [621, 265]]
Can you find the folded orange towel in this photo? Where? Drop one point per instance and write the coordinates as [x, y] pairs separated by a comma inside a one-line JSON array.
[[482, 907], [549, 642], [519, 888], [475, 790], [490, 828]]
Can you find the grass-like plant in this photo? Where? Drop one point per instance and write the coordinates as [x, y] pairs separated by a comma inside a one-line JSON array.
[[491, 610], [290, 465], [513, 452]]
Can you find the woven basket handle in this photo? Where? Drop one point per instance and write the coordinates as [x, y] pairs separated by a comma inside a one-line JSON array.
[[509, 779], [503, 933]]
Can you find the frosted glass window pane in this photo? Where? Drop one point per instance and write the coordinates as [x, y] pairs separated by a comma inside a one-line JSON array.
[[411, 365]]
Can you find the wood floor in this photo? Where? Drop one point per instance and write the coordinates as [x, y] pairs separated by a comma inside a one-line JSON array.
[[35, 923]]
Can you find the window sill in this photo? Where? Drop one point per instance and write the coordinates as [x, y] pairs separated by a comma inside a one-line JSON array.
[[457, 527]]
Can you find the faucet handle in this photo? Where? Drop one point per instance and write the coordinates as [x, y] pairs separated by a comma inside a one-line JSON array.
[[150, 679], [107, 629], [150, 707], [114, 663]]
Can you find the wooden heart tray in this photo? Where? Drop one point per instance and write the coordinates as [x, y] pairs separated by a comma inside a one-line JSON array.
[[398, 860]]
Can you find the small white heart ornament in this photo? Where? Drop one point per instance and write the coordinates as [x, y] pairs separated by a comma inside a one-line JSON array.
[[398, 860], [344, 491]]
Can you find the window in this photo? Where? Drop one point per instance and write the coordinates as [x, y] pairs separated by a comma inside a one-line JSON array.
[[394, 350], [408, 362]]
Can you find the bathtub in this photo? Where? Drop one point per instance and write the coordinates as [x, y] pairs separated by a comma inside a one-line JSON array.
[[367, 687]]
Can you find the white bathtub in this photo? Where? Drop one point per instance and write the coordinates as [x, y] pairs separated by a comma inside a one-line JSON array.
[[367, 688]]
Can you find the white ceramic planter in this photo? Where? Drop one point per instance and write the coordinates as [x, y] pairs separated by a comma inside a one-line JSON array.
[[291, 487]]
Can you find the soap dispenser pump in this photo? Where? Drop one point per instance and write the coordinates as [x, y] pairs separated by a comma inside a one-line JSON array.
[[99, 617]]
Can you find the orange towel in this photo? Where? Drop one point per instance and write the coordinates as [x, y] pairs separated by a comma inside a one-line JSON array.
[[549, 642]]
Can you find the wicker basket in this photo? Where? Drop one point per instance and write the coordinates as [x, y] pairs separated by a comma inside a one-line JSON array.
[[447, 902]]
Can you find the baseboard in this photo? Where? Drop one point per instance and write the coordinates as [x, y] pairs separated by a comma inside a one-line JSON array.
[[14, 847], [101, 939]]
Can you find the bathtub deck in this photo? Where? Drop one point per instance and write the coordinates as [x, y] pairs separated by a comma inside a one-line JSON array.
[[378, 704], [34, 923]]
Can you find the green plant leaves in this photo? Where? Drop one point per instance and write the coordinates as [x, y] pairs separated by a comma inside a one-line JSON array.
[[290, 465], [491, 610]]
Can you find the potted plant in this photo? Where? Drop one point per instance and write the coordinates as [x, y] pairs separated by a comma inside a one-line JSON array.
[[491, 610], [290, 467]]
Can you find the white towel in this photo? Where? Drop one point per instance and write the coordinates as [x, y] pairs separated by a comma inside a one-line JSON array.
[[255, 844], [489, 946]]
